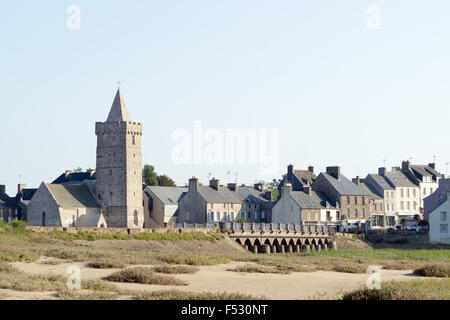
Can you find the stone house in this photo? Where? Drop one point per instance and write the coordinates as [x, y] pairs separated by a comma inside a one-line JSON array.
[[161, 205], [9, 210], [22, 199], [424, 176], [352, 200], [376, 203], [407, 194], [256, 204], [298, 179], [379, 185], [437, 198], [209, 204], [439, 220], [71, 205], [305, 207]]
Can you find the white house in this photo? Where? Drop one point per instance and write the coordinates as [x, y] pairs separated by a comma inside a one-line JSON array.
[[439, 221]]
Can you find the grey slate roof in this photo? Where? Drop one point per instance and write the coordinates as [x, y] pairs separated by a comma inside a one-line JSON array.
[[6, 201], [307, 201], [381, 181], [72, 195], [369, 189], [399, 179], [344, 186], [74, 177], [251, 195], [224, 195], [305, 176], [168, 195]]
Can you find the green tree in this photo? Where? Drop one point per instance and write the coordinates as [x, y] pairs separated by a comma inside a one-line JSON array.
[[417, 217], [165, 181], [149, 175], [273, 186]]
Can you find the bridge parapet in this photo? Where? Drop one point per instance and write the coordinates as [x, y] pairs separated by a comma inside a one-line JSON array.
[[275, 228]]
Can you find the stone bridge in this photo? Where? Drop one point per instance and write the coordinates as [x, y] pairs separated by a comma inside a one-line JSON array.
[[280, 238]]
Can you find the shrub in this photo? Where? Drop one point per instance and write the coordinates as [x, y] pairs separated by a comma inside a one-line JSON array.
[[434, 270], [181, 295], [143, 275], [175, 269]]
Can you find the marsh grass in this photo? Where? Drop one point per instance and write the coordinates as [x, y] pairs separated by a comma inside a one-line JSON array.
[[169, 235], [434, 270], [183, 295], [24, 282], [145, 276], [428, 289], [67, 294], [175, 269]]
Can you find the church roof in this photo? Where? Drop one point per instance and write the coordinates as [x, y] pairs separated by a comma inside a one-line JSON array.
[[118, 110], [72, 195]]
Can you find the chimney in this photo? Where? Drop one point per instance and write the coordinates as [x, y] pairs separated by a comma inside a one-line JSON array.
[[286, 189], [432, 165], [382, 171], [335, 172], [232, 186], [311, 169], [290, 172], [215, 184], [20, 187], [68, 172], [307, 189], [406, 165], [268, 195], [258, 186], [193, 184], [356, 180]]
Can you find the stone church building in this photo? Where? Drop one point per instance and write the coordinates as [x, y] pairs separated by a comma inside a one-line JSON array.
[[114, 198]]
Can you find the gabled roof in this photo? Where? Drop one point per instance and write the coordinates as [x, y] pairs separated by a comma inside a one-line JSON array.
[[305, 176], [307, 201], [6, 201], [344, 186], [371, 190], [399, 179], [72, 195], [251, 195], [119, 111], [224, 195], [421, 171], [167, 195], [74, 177], [381, 181]]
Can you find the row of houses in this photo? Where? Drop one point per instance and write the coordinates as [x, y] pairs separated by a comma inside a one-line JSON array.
[[379, 200]]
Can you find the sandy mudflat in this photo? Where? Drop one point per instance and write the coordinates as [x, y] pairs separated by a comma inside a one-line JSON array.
[[217, 279]]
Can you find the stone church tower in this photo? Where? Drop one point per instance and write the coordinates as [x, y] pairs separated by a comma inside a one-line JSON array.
[[119, 167]]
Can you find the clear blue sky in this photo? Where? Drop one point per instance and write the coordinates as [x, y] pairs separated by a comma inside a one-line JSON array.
[[338, 92]]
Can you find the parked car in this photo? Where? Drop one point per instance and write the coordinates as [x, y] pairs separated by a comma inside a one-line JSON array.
[[350, 228]]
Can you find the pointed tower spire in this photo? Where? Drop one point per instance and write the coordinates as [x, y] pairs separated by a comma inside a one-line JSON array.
[[118, 110]]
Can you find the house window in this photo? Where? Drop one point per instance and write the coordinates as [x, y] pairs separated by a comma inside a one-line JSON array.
[[363, 213], [401, 205], [414, 193], [356, 213], [363, 201], [356, 200], [444, 216], [232, 216], [44, 220], [338, 215], [444, 228], [211, 216], [263, 215], [401, 193], [407, 193], [249, 215], [217, 216], [431, 190], [415, 205], [408, 205], [328, 215], [133, 139], [348, 200]]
